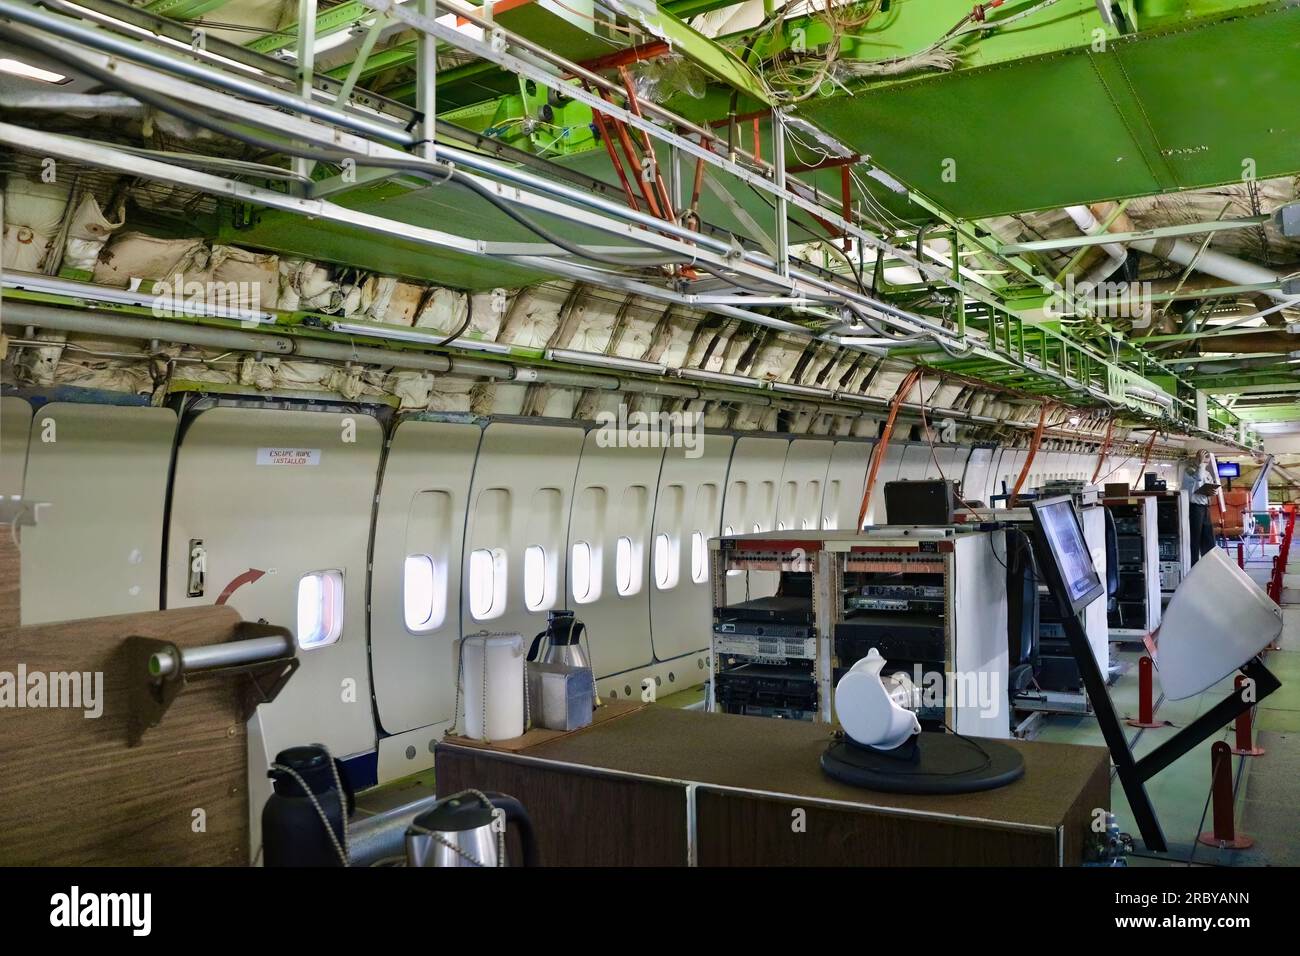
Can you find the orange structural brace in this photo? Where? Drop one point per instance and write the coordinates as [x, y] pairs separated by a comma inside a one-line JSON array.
[[613, 154], [1033, 452], [1105, 450], [665, 201], [1146, 455], [882, 446]]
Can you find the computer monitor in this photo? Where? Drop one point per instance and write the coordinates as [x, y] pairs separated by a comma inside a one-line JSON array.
[[1071, 566], [1229, 469]]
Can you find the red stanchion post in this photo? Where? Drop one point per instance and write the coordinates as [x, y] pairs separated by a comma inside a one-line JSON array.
[[1224, 835], [1241, 555], [1146, 703], [1245, 726]]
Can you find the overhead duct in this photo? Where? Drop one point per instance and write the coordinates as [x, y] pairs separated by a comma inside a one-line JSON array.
[[1228, 268]]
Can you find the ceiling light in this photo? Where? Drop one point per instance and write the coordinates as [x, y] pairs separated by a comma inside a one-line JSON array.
[[19, 68]]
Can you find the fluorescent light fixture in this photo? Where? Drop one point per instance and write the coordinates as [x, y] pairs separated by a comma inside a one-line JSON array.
[[19, 68], [596, 360], [403, 334], [721, 378], [162, 306], [809, 390]]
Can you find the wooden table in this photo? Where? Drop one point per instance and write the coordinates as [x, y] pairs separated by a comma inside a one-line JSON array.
[[664, 787]]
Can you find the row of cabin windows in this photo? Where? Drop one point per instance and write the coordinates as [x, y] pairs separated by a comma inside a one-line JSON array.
[[424, 583], [425, 580]]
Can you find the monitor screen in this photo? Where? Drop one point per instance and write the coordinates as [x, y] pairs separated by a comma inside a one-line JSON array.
[[1229, 469], [1063, 535]]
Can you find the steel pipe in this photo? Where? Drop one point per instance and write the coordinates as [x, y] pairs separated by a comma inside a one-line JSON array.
[[213, 656]]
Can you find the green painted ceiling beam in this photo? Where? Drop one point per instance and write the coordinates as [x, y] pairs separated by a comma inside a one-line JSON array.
[[1181, 229], [327, 21], [183, 9]]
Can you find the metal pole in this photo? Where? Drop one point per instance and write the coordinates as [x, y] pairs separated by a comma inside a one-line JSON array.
[[778, 179], [426, 83], [306, 60], [213, 656]]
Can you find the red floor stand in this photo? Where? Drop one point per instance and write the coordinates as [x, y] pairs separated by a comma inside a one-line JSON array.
[[1224, 835], [1146, 707], [1241, 555], [1245, 727]]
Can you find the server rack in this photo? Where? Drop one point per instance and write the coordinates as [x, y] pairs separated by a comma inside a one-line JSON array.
[[1173, 536], [931, 600], [1135, 610]]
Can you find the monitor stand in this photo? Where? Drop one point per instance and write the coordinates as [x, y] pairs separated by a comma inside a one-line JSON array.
[[1133, 773], [929, 763]]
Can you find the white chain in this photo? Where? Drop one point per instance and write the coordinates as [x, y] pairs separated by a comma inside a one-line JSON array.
[[463, 854], [343, 850]]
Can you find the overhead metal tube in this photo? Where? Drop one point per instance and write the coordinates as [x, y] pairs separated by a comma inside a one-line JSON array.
[[183, 333]]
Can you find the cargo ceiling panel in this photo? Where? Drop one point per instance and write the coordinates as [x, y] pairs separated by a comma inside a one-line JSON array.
[[450, 209], [1173, 110]]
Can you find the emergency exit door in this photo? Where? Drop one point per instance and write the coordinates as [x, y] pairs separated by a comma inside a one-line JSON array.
[[271, 515]]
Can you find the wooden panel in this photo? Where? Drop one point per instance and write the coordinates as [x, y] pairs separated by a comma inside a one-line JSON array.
[[73, 793], [751, 773], [580, 817], [741, 829], [10, 576]]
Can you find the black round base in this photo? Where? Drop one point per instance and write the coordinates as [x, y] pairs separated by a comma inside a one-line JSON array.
[[933, 763]]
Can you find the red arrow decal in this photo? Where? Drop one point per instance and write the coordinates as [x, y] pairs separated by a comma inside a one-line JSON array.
[[248, 577]]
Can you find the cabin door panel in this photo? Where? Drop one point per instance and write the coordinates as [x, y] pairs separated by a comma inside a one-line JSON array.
[[281, 501]]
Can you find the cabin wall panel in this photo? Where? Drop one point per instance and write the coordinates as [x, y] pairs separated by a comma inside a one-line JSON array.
[[680, 616], [521, 495], [890, 469], [421, 514], [753, 485], [97, 548], [803, 484], [846, 477], [615, 498]]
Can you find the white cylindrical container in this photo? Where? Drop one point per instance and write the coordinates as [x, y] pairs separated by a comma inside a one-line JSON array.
[[494, 705]]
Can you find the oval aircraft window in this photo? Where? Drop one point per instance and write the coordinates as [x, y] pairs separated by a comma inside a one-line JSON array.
[[699, 557], [585, 573], [320, 608], [487, 583], [665, 562], [424, 594], [535, 577], [626, 570]]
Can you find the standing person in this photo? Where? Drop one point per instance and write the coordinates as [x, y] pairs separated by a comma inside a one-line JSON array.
[[1199, 483]]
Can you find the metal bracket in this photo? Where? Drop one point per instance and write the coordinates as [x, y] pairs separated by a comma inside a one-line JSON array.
[[151, 696]]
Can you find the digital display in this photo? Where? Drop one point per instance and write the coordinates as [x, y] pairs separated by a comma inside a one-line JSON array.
[[1229, 469], [1064, 537]]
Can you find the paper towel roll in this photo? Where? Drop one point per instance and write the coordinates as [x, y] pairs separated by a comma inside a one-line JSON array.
[[503, 704]]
